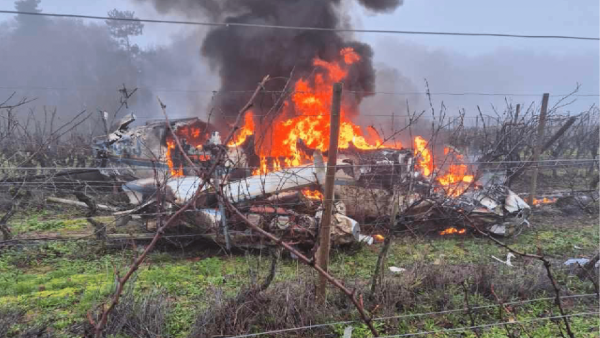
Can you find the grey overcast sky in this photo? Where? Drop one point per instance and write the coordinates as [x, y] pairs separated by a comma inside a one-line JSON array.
[[535, 17], [449, 63]]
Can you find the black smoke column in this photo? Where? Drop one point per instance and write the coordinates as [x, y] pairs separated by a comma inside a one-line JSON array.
[[244, 55]]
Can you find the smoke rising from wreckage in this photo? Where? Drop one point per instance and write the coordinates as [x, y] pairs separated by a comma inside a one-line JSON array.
[[287, 200], [300, 163], [274, 169], [241, 56]]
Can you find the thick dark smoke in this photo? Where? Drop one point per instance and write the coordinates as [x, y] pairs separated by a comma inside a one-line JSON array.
[[381, 5], [242, 56]]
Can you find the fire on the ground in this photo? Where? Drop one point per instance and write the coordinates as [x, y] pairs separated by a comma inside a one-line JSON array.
[[274, 172], [288, 200]]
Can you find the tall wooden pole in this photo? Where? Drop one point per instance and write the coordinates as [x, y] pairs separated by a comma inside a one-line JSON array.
[[537, 151], [325, 229]]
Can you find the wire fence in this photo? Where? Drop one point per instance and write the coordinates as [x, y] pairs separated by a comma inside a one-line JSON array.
[[434, 313], [280, 27], [69, 186], [226, 92], [552, 161], [491, 325]]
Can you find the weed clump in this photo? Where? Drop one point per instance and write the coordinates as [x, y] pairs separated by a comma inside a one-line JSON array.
[[286, 304], [8, 317], [421, 288], [142, 316]]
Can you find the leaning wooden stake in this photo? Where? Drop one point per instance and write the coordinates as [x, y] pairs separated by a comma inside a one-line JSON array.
[[325, 230], [537, 151], [547, 146]]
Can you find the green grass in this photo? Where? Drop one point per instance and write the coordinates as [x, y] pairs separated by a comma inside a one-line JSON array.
[[58, 282], [48, 221]]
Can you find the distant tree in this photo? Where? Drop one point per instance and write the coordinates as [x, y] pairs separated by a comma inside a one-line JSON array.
[[29, 24], [28, 6], [122, 31]]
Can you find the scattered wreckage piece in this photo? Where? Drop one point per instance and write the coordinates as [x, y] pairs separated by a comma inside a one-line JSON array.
[[366, 186], [79, 204], [275, 201], [365, 180], [494, 209], [184, 188], [135, 153], [250, 192], [181, 189]]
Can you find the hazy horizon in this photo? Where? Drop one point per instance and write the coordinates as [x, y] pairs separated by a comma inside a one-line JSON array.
[[175, 70]]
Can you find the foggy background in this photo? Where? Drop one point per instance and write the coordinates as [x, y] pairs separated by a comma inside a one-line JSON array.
[[72, 65]]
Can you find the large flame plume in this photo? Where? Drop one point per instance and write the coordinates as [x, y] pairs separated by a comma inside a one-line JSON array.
[[305, 118], [286, 140]]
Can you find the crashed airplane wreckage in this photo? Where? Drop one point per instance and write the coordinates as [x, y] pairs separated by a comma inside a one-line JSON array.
[[287, 201]]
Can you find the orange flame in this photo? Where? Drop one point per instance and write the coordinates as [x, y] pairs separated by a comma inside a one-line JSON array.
[[451, 230], [456, 175], [312, 194], [244, 132], [305, 118], [193, 134], [544, 200], [424, 156], [174, 171], [262, 169], [455, 179], [349, 55]]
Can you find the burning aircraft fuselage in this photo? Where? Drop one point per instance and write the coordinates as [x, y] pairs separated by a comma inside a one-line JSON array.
[[273, 169], [143, 151], [288, 199]]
